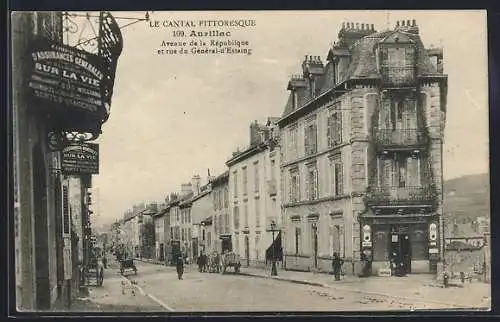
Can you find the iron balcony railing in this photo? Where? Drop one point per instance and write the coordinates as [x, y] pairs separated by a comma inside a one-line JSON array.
[[398, 76], [400, 138], [400, 196]]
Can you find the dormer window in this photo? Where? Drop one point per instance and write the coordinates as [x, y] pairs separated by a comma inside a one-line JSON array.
[[397, 60], [295, 99], [312, 82]]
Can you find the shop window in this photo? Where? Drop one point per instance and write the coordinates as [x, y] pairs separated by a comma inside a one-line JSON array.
[[381, 245]]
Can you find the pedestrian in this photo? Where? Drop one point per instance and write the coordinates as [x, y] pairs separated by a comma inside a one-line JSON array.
[[104, 261], [180, 267], [199, 261], [337, 263]]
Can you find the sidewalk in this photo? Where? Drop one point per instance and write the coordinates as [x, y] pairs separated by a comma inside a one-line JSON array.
[[117, 294], [417, 287]]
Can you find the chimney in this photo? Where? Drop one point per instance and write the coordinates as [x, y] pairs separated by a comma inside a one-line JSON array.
[[354, 32], [196, 183], [186, 189]]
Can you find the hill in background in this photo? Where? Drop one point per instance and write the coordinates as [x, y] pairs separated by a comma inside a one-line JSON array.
[[465, 199]]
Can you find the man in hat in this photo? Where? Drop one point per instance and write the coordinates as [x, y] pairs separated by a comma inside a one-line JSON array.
[[180, 266]]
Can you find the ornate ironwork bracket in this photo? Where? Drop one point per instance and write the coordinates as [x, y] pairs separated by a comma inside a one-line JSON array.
[[57, 141]]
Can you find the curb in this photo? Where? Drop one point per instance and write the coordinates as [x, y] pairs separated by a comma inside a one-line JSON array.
[[305, 282]]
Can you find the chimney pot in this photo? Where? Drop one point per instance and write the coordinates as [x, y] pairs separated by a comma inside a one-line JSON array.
[[402, 23], [310, 58], [348, 25], [414, 23], [397, 23], [343, 25], [357, 25], [352, 25], [408, 23], [373, 27], [362, 26]]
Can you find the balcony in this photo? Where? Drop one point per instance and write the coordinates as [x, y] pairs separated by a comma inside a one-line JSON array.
[[400, 196], [400, 139], [272, 187], [398, 76]]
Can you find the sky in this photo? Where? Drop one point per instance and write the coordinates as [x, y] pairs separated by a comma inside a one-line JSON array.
[[174, 116]]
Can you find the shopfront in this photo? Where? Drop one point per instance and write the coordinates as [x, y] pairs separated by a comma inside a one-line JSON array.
[[410, 240]]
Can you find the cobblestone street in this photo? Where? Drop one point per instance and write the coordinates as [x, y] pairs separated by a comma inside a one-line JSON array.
[[157, 288]]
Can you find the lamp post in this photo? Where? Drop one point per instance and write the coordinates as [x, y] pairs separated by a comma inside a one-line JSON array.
[[274, 271]]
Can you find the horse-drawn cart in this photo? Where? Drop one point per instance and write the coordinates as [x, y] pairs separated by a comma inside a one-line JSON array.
[[230, 259], [127, 264]]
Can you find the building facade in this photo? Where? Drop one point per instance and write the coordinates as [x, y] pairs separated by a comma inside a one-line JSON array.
[[253, 197], [220, 230], [159, 224], [50, 245], [361, 139], [201, 211]]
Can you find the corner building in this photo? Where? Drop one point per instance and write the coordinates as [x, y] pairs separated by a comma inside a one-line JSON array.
[[361, 138]]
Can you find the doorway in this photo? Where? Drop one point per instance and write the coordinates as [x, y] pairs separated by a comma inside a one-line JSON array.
[[401, 250], [41, 229], [162, 252], [247, 250]]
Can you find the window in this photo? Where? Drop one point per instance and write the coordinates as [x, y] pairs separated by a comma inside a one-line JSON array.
[[214, 195], [399, 170], [337, 175], [236, 219], [397, 64], [334, 127], [256, 177], [335, 240], [172, 233], [203, 235], [245, 213], [215, 223], [310, 139], [209, 239], [189, 233], [257, 241], [419, 243], [257, 212], [245, 181], [398, 113], [227, 223], [294, 99], [297, 240], [294, 193], [273, 174], [235, 183], [219, 199], [292, 146], [312, 183], [226, 201]]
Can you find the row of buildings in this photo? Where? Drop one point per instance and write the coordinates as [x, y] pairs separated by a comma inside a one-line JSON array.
[[352, 166]]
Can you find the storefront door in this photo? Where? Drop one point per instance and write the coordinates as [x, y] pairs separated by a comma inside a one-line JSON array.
[[247, 250], [400, 251]]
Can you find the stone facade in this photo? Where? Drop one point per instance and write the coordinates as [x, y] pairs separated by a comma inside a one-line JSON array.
[[387, 151], [254, 196]]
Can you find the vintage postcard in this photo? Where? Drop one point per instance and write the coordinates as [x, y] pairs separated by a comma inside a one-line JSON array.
[[250, 161]]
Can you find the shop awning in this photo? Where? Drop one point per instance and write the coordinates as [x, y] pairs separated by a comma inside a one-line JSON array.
[[275, 248]]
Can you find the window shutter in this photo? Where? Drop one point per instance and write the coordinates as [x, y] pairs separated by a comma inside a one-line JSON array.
[[316, 194], [297, 187], [385, 114], [308, 184], [329, 130], [339, 127], [341, 178]]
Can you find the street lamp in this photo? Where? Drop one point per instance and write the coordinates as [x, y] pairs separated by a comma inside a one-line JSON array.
[[274, 271]]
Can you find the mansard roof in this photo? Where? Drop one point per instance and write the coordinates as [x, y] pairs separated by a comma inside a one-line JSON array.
[[363, 63]]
